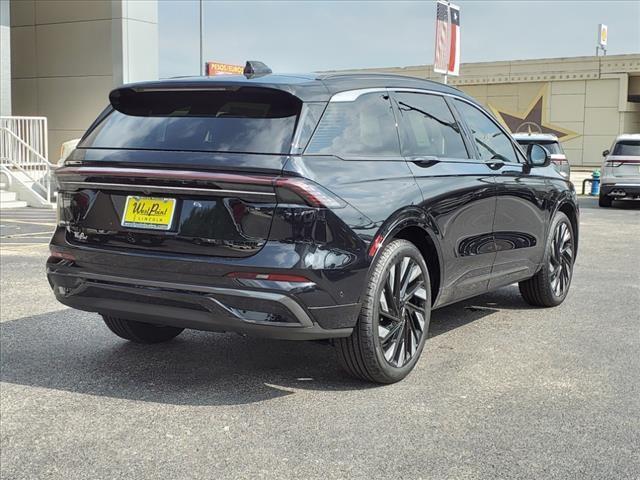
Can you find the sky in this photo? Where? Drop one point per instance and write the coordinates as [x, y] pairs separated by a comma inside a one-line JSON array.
[[307, 36]]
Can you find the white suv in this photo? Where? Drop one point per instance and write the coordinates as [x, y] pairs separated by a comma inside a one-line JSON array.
[[620, 177], [551, 143]]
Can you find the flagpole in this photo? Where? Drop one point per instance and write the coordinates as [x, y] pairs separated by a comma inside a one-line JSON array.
[[201, 67], [446, 75]]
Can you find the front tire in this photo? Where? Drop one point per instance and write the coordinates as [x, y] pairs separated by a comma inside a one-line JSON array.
[[388, 339], [550, 286], [140, 332]]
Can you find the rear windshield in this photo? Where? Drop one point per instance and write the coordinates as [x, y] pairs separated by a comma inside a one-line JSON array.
[[627, 147], [551, 145], [248, 120]]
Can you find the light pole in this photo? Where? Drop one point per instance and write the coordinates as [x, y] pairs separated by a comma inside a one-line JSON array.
[[201, 58]]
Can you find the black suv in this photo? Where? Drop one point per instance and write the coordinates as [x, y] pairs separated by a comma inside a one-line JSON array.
[[342, 207]]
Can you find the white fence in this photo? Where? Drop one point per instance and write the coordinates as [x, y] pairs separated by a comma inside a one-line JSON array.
[[23, 153]]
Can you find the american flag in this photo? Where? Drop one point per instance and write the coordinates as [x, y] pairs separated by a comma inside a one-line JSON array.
[[441, 63]]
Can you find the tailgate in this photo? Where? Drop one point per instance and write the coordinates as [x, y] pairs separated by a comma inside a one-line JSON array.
[[170, 211]]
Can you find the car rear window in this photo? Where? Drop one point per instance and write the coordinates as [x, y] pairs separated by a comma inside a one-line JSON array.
[[553, 146], [627, 147], [246, 120]]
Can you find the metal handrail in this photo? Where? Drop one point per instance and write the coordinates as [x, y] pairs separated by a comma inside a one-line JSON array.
[[23, 148]]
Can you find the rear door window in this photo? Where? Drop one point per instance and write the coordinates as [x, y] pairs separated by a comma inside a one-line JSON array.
[[247, 120], [492, 142], [427, 127], [364, 127]]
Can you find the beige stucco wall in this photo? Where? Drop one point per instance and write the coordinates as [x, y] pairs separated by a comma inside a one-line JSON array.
[[584, 97], [67, 55]]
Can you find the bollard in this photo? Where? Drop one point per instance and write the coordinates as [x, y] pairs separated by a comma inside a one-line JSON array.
[[595, 183]]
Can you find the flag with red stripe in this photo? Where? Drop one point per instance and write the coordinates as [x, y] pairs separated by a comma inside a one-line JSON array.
[[454, 40]]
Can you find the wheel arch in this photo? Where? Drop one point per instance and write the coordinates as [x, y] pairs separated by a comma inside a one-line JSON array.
[[414, 226], [570, 209]]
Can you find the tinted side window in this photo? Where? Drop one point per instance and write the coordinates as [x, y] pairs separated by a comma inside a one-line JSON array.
[[365, 127], [492, 143], [427, 127]]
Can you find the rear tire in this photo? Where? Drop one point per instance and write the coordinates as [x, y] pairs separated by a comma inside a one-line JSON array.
[[550, 286], [604, 201], [140, 332], [388, 339]]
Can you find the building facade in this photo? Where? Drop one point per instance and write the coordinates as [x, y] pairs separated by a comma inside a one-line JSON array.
[[585, 101], [66, 56]]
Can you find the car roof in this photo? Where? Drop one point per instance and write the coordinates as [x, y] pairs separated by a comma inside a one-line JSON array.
[[628, 136], [535, 136], [307, 87]]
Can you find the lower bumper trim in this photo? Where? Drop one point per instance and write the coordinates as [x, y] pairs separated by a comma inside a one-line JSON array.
[[189, 306]]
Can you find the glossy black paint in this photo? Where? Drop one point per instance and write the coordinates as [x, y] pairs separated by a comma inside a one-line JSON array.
[[485, 223]]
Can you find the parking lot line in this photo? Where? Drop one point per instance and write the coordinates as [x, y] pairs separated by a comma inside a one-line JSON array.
[[29, 222]]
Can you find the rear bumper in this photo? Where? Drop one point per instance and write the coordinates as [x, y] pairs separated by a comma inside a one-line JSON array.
[[621, 190], [262, 313]]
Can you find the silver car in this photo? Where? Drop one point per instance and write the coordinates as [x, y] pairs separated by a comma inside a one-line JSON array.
[[551, 143], [620, 175]]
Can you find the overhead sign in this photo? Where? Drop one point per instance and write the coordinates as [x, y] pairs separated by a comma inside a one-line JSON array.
[[447, 51], [215, 68], [602, 35]]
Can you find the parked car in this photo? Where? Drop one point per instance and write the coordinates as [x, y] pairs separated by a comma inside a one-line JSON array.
[[66, 148], [342, 207], [551, 143], [620, 175]]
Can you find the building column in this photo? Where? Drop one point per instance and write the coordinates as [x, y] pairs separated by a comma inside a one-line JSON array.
[[5, 60]]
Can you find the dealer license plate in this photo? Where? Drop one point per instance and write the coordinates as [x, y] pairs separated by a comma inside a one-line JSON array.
[[148, 212]]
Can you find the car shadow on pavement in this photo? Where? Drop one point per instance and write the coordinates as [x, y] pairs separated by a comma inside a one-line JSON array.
[[592, 203], [73, 351]]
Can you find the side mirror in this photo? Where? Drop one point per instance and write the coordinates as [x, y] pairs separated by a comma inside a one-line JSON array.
[[538, 155], [605, 153]]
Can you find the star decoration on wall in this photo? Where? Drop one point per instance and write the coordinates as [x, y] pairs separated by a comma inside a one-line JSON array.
[[532, 120]]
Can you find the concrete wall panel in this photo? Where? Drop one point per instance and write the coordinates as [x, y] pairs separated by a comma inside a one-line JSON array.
[[23, 52], [23, 13], [72, 103], [602, 93], [566, 108], [24, 97], [142, 10], [74, 49], [62, 11], [141, 52], [593, 147], [601, 121], [571, 87], [504, 102]]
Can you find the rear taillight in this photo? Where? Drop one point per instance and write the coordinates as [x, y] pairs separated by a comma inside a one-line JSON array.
[[297, 190], [62, 255]]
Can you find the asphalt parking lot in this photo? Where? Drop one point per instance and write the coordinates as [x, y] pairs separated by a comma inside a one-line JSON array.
[[502, 390]]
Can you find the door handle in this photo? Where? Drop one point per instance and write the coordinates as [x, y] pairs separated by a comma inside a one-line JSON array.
[[423, 161]]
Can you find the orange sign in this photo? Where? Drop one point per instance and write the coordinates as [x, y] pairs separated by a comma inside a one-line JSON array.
[[215, 68]]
